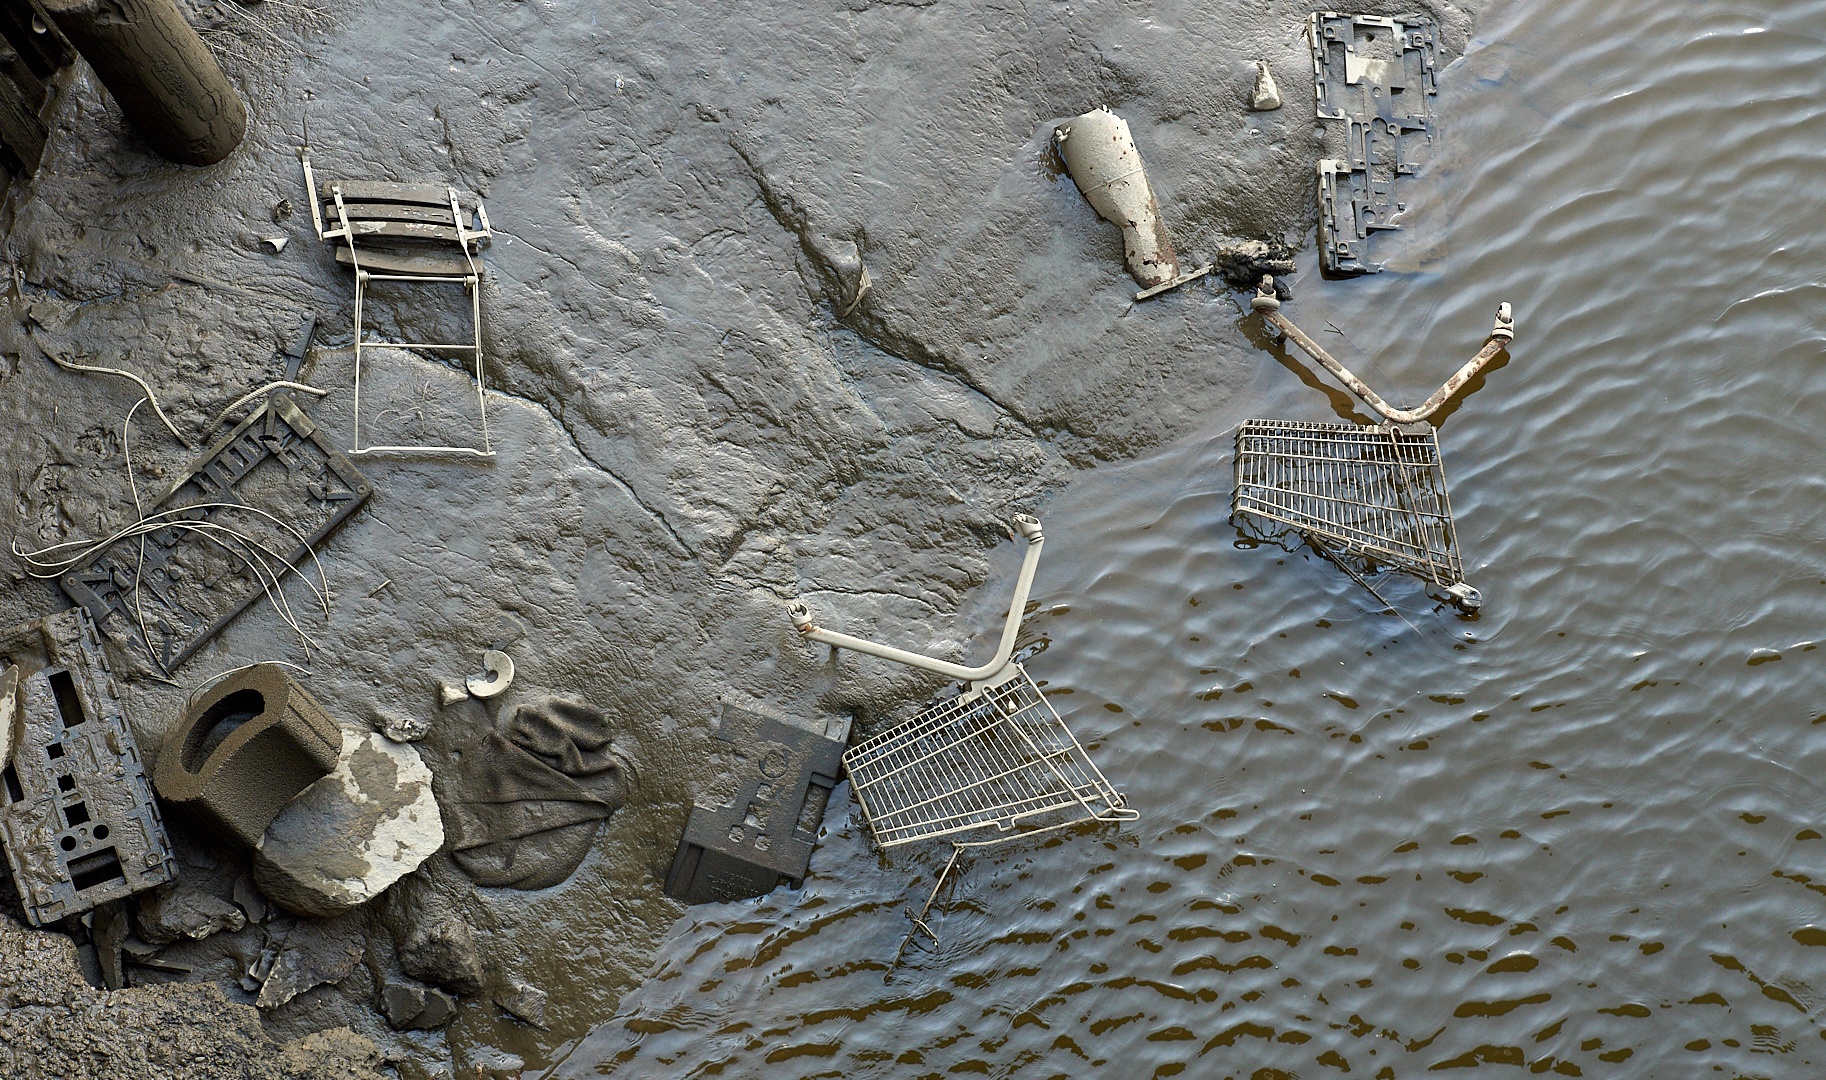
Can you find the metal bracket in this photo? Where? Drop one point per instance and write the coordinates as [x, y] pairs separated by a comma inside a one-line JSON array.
[[1377, 75]]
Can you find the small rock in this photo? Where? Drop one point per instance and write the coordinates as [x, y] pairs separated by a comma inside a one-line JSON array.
[[449, 692], [400, 729], [250, 900], [491, 1063], [140, 954], [314, 954], [88, 963], [137, 950], [1267, 96], [348, 836], [109, 934], [842, 261], [170, 912], [524, 1002], [48, 312], [258, 970], [443, 952], [416, 1008]]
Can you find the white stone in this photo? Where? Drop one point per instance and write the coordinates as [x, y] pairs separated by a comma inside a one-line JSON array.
[[9, 701], [1267, 96], [348, 836]]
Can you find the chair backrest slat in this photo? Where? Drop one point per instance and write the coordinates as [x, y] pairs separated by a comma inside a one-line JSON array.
[[387, 210], [406, 230], [389, 191], [373, 211]]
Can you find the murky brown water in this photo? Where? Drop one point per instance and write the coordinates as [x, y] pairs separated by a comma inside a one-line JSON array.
[[1580, 833]]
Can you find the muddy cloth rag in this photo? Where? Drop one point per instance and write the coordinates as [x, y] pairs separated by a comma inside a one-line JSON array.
[[527, 803]]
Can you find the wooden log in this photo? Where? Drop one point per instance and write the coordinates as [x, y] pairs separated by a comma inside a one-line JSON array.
[[160, 72], [20, 129]]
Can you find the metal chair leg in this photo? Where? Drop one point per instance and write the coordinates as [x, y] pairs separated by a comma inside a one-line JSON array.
[[360, 294], [475, 307]]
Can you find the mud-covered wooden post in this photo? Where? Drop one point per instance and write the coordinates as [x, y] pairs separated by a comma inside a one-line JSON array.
[[158, 69]]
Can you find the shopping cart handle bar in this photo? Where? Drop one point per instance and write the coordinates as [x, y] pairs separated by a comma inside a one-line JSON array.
[[1030, 529], [1270, 307]]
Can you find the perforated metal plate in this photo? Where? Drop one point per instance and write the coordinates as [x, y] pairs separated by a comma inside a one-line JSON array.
[[1374, 75], [77, 817]]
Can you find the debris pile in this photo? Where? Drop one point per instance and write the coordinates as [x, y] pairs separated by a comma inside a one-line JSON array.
[[332, 822]]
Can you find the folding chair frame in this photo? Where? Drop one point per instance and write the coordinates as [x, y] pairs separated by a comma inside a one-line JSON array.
[[342, 230]]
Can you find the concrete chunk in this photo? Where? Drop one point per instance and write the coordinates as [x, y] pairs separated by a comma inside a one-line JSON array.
[[353, 833]]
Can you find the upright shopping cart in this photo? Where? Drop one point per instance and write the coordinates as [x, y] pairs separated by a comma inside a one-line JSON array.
[[997, 756], [1377, 494]]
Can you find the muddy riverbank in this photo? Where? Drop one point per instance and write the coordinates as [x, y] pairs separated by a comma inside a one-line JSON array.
[[689, 433]]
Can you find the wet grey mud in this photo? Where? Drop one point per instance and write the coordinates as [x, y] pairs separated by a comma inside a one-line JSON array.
[[1575, 833]]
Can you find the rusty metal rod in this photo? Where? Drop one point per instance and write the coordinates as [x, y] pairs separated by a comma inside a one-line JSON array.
[[1266, 303]]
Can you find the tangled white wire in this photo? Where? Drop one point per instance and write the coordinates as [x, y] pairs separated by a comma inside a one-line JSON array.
[[46, 563]]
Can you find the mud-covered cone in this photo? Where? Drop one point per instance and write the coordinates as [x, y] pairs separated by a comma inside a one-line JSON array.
[[1100, 154]]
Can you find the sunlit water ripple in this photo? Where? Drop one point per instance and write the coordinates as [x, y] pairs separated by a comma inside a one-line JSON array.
[[1578, 833]]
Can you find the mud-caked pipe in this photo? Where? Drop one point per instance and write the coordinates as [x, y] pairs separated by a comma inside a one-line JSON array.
[[1100, 154], [164, 78], [1501, 334]]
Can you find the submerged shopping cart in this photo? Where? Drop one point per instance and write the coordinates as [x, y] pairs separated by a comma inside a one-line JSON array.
[[1376, 494], [997, 756]]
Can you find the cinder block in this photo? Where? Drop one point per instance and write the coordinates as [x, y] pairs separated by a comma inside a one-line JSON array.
[[244, 749]]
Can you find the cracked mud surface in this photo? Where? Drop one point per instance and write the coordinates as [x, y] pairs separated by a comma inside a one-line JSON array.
[[688, 434]]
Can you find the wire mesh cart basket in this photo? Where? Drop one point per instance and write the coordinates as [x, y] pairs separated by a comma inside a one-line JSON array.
[[1373, 493], [997, 756]]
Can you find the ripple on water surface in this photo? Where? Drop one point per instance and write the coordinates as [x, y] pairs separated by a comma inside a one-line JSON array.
[[1579, 833]]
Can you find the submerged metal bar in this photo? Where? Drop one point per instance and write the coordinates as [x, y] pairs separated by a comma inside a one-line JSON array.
[[1028, 527], [1266, 303]]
